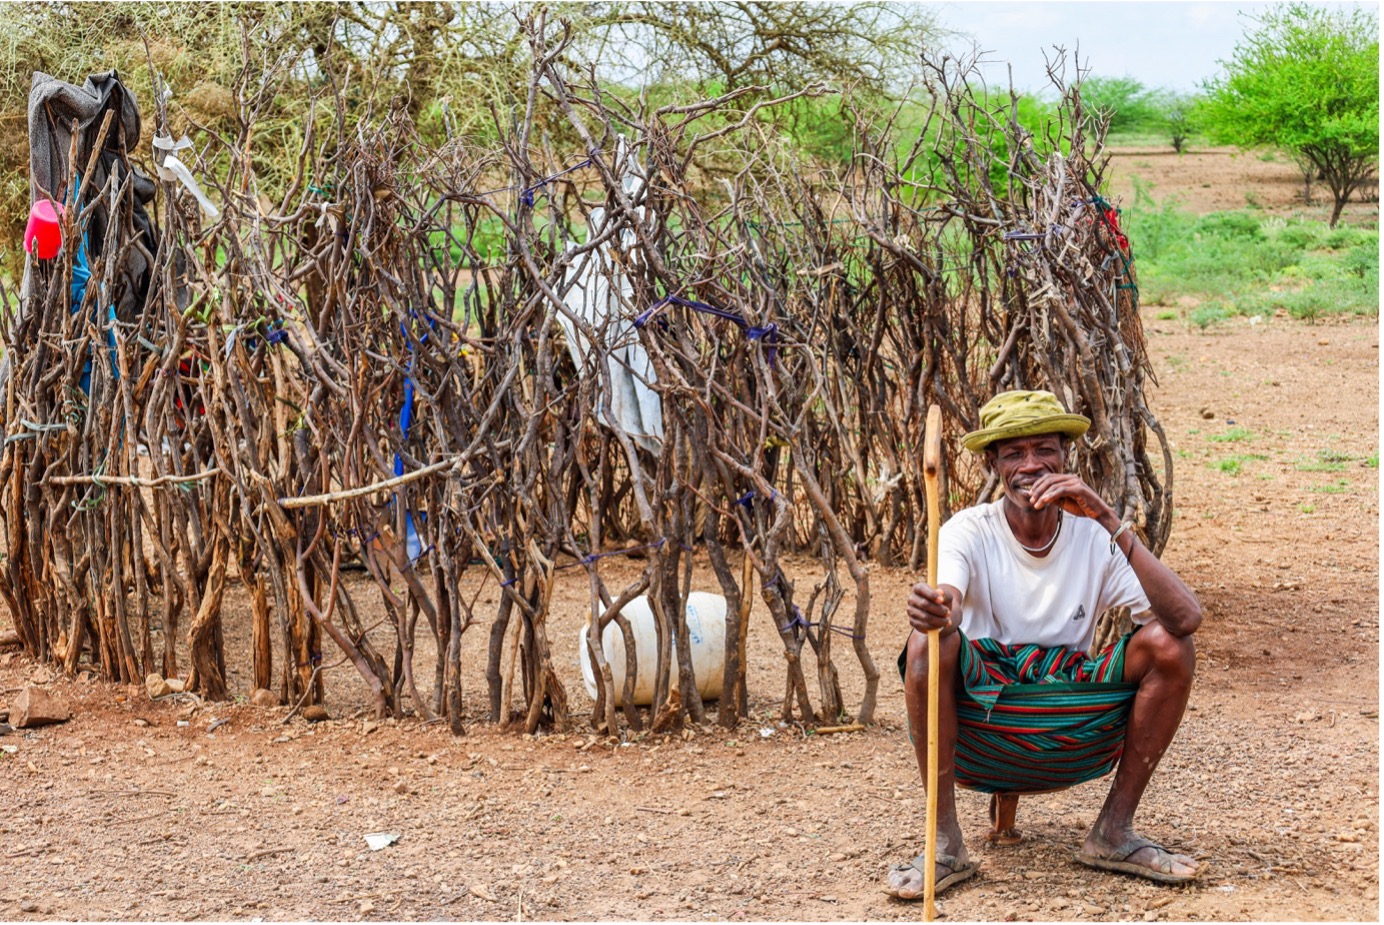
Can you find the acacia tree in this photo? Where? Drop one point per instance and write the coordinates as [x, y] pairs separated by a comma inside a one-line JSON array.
[[1125, 103], [1306, 81], [729, 45], [1178, 119]]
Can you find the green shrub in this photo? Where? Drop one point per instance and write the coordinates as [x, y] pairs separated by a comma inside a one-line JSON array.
[[1310, 304], [1343, 237], [1231, 226], [1300, 236], [1362, 260], [1154, 228], [1203, 316]]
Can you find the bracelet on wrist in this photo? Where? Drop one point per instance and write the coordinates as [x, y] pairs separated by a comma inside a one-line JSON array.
[[1114, 537]]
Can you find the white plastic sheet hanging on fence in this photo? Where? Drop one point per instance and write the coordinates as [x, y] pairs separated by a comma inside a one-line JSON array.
[[598, 292]]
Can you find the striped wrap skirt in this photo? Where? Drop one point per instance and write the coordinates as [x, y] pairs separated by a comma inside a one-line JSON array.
[[1032, 719]]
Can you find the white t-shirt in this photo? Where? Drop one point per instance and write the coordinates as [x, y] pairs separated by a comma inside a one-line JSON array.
[[1019, 599]]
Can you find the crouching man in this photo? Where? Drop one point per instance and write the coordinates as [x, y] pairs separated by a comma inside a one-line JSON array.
[[1024, 707]]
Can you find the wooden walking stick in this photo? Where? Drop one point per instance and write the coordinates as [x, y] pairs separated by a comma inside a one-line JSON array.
[[932, 464]]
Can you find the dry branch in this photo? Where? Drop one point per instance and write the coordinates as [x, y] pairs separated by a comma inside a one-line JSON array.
[[131, 481]]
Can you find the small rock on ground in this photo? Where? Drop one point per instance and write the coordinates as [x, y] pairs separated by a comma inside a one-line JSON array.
[[156, 687], [261, 697], [36, 707]]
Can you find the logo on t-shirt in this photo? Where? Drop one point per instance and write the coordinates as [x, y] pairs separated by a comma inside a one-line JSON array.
[[1080, 613]]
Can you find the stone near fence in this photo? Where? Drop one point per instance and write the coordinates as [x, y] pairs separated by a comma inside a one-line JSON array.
[[157, 687], [261, 697], [36, 707]]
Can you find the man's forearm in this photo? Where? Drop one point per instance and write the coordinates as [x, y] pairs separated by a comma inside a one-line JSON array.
[[1173, 603]]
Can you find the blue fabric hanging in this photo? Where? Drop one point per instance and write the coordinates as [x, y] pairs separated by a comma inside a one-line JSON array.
[[81, 278], [412, 542]]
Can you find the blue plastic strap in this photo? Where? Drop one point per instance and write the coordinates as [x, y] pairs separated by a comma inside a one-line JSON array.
[[527, 195], [748, 497], [592, 557], [768, 333], [412, 541]]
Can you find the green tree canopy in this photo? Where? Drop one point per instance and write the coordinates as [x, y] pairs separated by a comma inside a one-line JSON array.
[[1305, 80], [1179, 118], [1127, 104]]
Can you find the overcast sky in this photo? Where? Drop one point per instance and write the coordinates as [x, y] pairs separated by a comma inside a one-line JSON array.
[[1161, 44]]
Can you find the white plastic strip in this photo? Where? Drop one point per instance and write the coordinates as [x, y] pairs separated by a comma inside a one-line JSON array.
[[174, 170]]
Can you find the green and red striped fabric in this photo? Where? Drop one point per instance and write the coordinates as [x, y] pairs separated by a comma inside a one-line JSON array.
[[1035, 719]]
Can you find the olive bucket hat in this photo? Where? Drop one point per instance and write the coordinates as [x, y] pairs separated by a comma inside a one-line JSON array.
[[1023, 414]]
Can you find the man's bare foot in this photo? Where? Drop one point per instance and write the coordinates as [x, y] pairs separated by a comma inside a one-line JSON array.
[[1138, 856]]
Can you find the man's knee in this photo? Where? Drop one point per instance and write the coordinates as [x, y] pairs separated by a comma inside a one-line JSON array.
[[916, 658], [1163, 654]]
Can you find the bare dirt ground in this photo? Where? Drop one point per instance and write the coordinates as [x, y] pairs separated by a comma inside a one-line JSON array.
[[1217, 179], [122, 813]]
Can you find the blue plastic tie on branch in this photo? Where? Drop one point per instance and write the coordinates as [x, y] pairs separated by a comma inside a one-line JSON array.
[[592, 557], [707, 309], [647, 314], [798, 620], [274, 334], [527, 195], [747, 499], [423, 338], [768, 333]]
